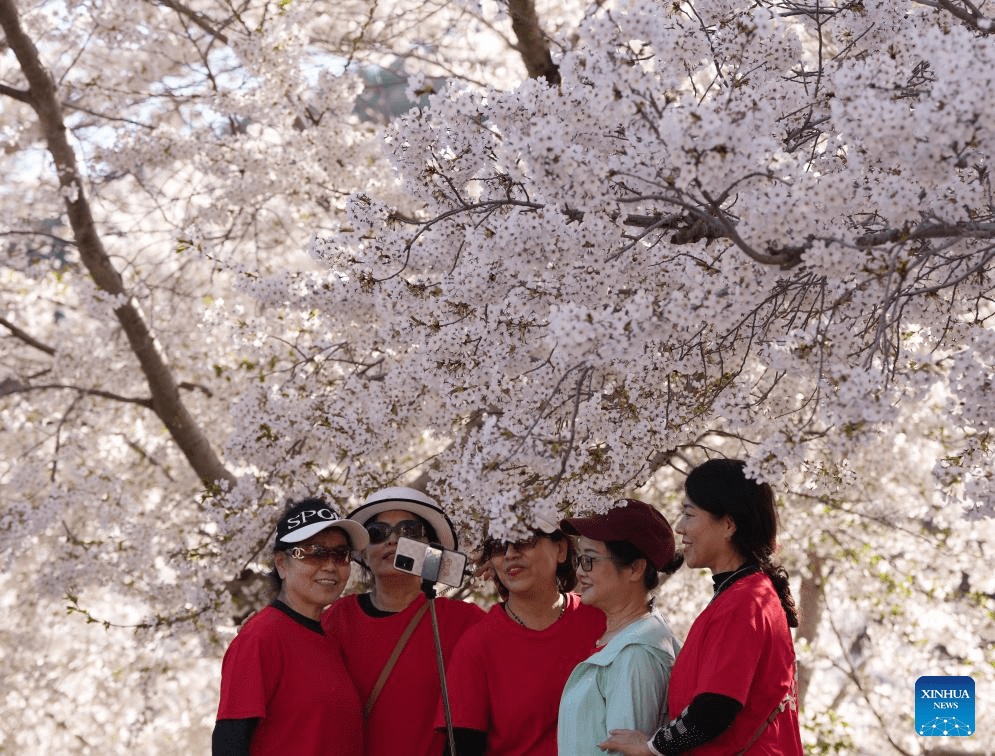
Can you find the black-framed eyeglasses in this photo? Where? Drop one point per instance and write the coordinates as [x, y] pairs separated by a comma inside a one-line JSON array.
[[316, 554], [494, 546], [586, 561], [381, 531]]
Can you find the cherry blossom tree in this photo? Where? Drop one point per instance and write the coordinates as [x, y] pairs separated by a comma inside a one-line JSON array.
[[763, 230], [157, 157], [621, 237]]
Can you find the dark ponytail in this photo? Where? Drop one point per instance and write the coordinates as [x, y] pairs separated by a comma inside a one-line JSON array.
[[779, 577], [720, 486]]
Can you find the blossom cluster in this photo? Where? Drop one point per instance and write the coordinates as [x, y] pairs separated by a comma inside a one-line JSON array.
[[729, 229]]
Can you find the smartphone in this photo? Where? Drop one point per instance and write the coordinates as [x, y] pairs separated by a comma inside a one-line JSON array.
[[430, 562]]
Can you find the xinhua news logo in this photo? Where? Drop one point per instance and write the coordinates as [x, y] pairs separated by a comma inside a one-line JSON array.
[[945, 706]]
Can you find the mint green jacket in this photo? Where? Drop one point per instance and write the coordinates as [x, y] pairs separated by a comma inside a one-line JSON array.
[[621, 687]]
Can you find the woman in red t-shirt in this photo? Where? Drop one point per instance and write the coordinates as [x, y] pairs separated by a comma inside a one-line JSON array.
[[732, 688], [400, 713], [281, 657], [508, 671]]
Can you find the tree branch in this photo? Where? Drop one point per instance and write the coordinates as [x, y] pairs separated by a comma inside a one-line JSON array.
[[938, 230], [965, 11], [696, 223], [45, 234], [810, 615], [18, 94], [21, 388], [26, 337], [166, 401], [197, 18]]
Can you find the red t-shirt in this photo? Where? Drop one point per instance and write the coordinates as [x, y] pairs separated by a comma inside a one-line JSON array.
[[506, 680], [401, 722], [740, 647], [293, 679]]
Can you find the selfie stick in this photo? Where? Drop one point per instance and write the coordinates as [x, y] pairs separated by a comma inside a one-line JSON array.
[[430, 592], [429, 567]]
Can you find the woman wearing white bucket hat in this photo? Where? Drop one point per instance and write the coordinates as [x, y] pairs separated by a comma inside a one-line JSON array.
[[387, 639]]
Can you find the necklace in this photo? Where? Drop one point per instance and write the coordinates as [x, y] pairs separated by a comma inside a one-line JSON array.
[[729, 579], [562, 601]]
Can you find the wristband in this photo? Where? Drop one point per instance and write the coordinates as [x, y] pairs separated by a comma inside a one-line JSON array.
[[649, 744]]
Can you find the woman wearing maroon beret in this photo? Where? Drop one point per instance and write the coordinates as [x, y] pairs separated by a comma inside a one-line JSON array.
[[623, 685]]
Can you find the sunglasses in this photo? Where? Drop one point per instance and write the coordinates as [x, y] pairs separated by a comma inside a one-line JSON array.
[[316, 554], [586, 561], [381, 531], [493, 546]]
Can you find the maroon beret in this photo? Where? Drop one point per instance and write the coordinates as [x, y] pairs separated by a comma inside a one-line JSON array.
[[633, 521]]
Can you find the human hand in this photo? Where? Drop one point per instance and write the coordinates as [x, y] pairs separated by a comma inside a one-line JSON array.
[[484, 570], [629, 742]]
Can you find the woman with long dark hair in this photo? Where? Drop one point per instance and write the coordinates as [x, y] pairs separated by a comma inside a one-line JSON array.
[[732, 689]]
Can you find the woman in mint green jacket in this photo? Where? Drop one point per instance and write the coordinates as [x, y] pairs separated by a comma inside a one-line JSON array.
[[623, 684]]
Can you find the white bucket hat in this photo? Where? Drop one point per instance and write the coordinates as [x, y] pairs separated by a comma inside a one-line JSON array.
[[408, 500]]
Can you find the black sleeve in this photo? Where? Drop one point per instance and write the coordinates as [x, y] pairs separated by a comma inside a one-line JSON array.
[[468, 742], [707, 717], [232, 737]]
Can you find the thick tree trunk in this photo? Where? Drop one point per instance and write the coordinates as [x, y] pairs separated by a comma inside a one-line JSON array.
[[532, 43], [809, 614], [166, 401]]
